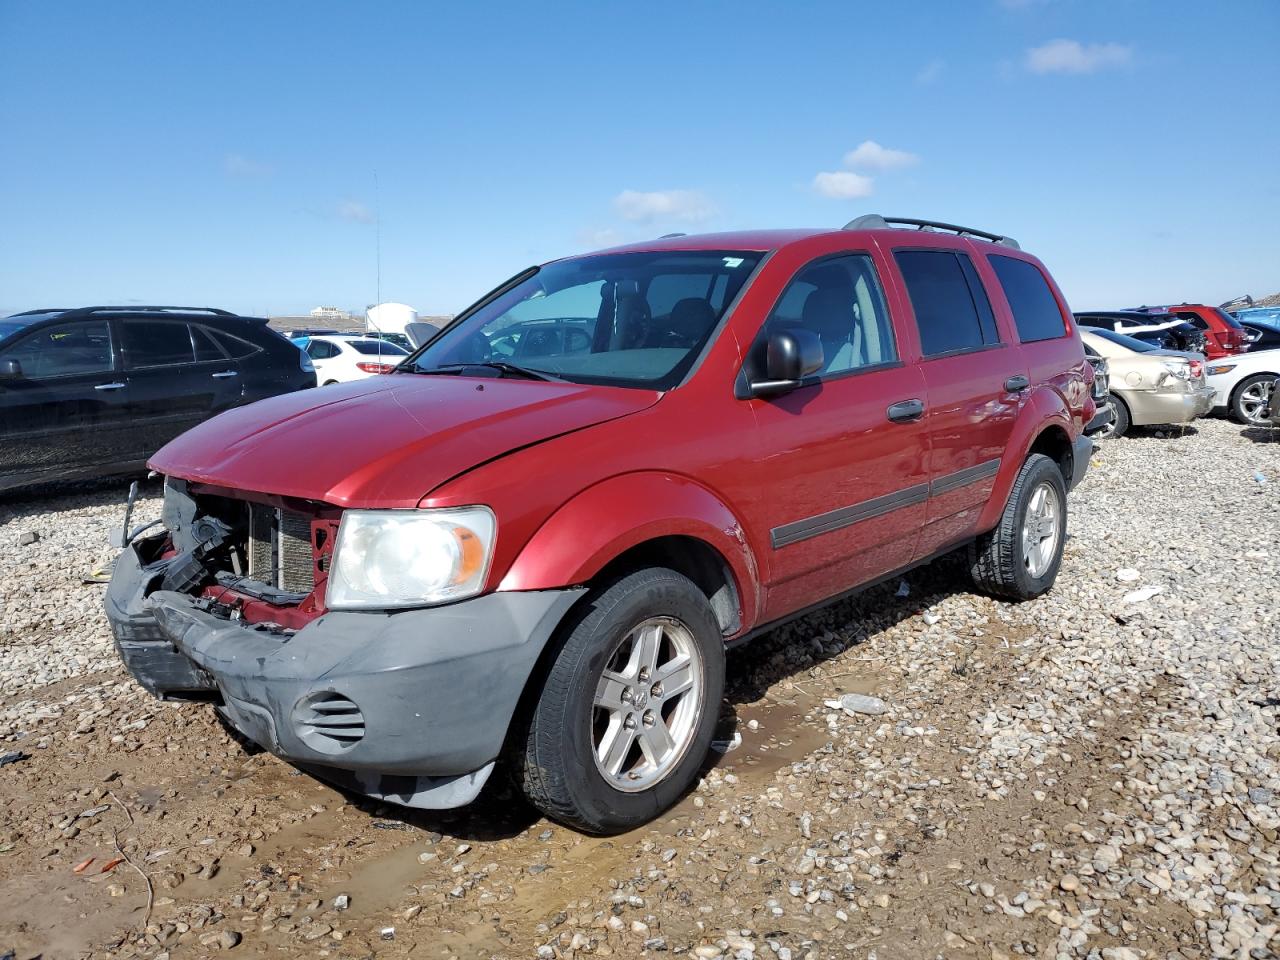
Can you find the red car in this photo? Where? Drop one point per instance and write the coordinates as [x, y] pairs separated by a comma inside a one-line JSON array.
[[1223, 333], [537, 537]]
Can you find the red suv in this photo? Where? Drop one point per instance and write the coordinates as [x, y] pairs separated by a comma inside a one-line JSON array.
[[536, 538], [1223, 333]]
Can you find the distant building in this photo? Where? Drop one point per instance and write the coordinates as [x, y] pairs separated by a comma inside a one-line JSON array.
[[329, 315]]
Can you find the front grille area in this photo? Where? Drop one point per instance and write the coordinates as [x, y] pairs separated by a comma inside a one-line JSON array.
[[279, 548]]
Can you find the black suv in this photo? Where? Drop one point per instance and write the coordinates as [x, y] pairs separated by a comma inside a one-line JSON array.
[[1163, 330], [96, 391]]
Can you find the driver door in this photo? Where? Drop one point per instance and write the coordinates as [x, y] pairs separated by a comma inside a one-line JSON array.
[[66, 410]]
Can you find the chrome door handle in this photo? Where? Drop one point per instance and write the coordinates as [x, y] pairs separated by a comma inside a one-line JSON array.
[[1017, 384], [109, 386], [904, 411], [224, 374]]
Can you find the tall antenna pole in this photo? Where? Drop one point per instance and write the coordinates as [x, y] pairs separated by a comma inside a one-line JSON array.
[[377, 222]]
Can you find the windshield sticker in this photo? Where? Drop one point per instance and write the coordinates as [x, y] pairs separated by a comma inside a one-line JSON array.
[[732, 262]]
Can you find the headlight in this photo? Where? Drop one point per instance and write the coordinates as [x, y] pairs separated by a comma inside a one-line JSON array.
[[409, 558], [1219, 368]]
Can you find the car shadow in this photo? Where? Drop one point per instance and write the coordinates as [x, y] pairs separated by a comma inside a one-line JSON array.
[[1165, 432], [1261, 434], [785, 652], [57, 495]]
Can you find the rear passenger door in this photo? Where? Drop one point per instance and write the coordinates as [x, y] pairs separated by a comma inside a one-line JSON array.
[[842, 486], [170, 390], [975, 383]]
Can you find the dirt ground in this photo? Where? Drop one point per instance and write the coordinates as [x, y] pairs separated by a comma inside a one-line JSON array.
[[968, 821]]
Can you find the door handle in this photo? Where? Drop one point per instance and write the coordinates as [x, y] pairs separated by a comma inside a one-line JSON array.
[[904, 411], [1017, 384], [224, 374], [109, 386]]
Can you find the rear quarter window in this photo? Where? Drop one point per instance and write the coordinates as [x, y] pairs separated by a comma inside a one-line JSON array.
[[1035, 310]]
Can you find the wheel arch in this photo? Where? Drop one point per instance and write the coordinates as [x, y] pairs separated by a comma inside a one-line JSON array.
[[646, 519], [1044, 426]]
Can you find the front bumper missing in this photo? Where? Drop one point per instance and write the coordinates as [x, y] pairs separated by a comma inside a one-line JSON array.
[[411, 706]]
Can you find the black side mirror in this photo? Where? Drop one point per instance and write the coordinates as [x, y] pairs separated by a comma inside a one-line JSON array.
[[10, 370], [790, 356]]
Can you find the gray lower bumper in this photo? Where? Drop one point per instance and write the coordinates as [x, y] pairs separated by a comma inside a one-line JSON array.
[[1081, 452], [411, 706]]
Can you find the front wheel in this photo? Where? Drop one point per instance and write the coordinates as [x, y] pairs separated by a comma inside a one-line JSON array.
[[1019, 559], [628, 707], [1249, 403]]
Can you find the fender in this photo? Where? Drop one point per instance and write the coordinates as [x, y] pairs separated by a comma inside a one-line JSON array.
[[603, 521], [1043, 410]]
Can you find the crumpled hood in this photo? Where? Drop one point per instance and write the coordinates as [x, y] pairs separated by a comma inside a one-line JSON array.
[[386, 441]]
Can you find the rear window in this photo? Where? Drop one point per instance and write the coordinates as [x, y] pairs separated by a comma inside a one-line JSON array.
[[952, 311], [377, 348], [1228, 319], [155, 343], [1035, 310]]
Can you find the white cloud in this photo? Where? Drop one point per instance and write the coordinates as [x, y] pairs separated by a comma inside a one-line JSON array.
[[869, 155], [843, 185], [1072, 56], [355, 211], [238, 165], [687, 205], [599, 238], [930, 72]]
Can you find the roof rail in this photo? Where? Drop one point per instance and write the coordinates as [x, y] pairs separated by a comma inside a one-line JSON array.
[[29, 313], [672, 236], [87, 311], [874, 221]]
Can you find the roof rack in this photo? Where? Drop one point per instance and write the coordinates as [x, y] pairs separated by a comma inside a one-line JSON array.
[[874, 221], [87, 311], [672, 236]]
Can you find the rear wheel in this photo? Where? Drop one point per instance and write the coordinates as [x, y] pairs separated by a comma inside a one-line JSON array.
[[1249, 402], [626, 713], [1120, 421], [1019, 559]]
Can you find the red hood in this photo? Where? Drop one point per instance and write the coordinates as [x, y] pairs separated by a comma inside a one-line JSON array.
[[386, 441]]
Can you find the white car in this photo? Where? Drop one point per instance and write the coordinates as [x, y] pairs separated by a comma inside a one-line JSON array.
[[1243, 383], [340, 359]]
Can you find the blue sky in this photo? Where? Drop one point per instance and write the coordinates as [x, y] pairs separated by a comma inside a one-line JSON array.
[[225, 153]]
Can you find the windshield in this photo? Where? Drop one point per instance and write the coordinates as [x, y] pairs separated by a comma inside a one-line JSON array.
[[1132, 343], [11, 325], [377, 347], [624, 319]]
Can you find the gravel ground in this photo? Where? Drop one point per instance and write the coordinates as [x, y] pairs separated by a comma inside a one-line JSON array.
[[1091, 774]]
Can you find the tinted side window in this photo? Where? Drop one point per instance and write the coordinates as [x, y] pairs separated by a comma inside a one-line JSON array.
[[952, 310], [154, 343], [1035, 311], [63, 351], [206, 348], [840, 300], [233, 345]]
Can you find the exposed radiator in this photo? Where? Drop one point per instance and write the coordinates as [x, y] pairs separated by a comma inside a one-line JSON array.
[[280, 549]]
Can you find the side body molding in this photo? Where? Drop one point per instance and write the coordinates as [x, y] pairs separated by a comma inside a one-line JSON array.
[[603, 521]]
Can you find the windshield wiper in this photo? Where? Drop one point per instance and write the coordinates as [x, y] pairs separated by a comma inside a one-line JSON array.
[[500, 365]]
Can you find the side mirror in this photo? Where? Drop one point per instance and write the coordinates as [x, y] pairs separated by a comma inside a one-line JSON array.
[[790, 356], [10, 370]]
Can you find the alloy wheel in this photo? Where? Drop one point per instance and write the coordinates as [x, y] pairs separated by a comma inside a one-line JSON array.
[[1254, 399], [647, 704], [1041, 529]]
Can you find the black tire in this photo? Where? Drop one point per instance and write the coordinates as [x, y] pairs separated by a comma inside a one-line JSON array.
[[996, 560], [328, 383], [1120, 423], [1237, 397], [552, 752]]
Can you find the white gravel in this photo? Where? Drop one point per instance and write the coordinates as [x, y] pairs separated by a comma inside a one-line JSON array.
[[1082, 776]]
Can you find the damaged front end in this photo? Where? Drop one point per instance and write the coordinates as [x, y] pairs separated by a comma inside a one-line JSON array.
[[226, 606], [258, 563]]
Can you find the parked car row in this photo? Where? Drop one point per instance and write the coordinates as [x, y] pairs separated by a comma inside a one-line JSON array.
[[1172, 364]]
